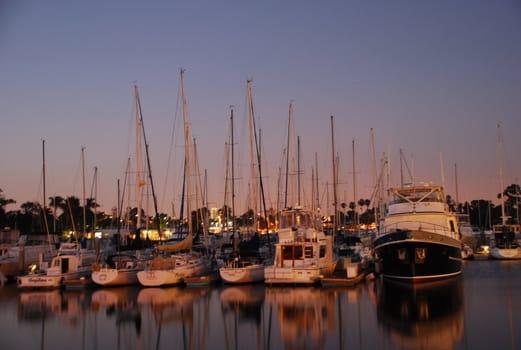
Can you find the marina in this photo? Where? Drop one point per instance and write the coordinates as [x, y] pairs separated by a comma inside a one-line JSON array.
[[260, 175], [373, 314]]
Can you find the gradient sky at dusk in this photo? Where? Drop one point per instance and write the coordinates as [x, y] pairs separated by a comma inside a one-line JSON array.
[[432, 78]]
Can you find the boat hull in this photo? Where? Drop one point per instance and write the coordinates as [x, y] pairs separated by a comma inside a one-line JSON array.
[[49, 280], [505, 253], [417, 256], [157, 278], [246, 274], [293, 276], [115, 277]]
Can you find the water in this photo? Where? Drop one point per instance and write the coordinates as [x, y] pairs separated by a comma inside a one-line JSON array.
[[480, 310]]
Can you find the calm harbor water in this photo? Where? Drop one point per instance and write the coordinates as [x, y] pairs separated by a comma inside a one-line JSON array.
[[480, 310]]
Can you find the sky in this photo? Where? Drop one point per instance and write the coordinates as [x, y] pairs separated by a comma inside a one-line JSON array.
[[430, 78]]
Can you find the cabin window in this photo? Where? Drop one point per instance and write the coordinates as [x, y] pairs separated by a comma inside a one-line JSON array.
[[303, 220], [452, 227], [322, 251], [292, 252], [287, 220], [308, 252]]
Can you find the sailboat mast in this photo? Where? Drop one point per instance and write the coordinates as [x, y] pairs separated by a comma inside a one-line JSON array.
[[317, 194], [298, 171], [335, 175], [187, 139], [456, 180], [253, 181], [45, 197], [288, 153], [83, 181], [501, 184], [138, 104], [354, 183], [258, 151], [139, 181], [232, 170]]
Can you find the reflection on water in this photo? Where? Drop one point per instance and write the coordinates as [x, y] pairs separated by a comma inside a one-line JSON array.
[[428, 316], [481, 308], [305, 315], [169, 307], [242, 309], [118, 304]]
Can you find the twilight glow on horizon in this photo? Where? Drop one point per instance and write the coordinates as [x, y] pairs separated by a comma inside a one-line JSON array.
[[432, 79]]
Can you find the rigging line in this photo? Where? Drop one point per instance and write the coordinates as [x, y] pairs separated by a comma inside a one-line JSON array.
[[148, 159], [170, 150]]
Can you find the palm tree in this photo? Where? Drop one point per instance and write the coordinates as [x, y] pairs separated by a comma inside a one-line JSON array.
[[3, 203], [30, 218]]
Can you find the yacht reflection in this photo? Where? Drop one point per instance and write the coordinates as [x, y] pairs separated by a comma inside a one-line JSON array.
[[429, 316], [44, 304], [38, 305], [118, 302], [243, 301], [241, 306], [170, 306], [306, 315]]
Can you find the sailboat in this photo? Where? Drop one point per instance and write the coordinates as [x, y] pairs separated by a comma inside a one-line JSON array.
[[121, 269], [34, 251], [506, 246], [303, 254], [175, 262], [240, 269], [73, 263]]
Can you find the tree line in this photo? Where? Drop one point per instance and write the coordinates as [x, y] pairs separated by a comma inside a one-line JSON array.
[[62, 214]]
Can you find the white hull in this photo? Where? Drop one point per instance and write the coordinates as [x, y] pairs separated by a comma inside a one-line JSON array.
[[157, 278], [64, 267], [246, 274], [39, 281], [50, 280], [292, 275], [115, 277], [505, 253]]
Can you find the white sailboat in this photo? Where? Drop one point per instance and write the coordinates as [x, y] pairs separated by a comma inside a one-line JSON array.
[[174, 266], [240, 269], [506, 245], [34, 251], [121, 269]]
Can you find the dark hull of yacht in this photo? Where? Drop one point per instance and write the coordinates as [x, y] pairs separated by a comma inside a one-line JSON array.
[[417, 256]]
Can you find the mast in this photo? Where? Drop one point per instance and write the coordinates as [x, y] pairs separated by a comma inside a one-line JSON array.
[[288, 153], [501, 184], [138, 104], [253, 183], [354, 184], [83, 181], [335, 199], [298, 171], [139, 180], [46, 226], [232, 170], [257, 148], [94, 194], [187, 139], [375, 177], [456, 179], [316, 182]]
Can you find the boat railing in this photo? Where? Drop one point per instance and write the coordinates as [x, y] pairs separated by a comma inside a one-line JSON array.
[[420, 226]]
